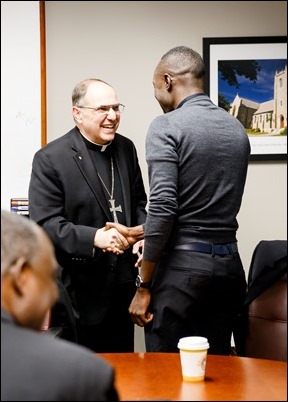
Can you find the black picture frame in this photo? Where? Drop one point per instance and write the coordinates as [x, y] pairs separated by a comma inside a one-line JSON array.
[[266, 49]]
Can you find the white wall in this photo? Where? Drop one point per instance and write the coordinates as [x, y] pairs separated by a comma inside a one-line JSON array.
[[20, 96]]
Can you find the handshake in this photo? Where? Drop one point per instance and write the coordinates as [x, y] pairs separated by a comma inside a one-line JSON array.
[[116, 238]]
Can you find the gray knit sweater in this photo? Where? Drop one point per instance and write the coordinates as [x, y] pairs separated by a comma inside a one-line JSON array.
[[197, 158]]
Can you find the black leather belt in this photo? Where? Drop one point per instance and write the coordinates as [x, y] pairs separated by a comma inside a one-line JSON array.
[[209, 248]]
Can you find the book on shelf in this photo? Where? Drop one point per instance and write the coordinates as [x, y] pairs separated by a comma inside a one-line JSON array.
[[19, 201], [19, 207], [21, 212]]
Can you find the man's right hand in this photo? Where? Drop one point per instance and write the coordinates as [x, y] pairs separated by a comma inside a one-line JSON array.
[[132, 234], [109, 239]]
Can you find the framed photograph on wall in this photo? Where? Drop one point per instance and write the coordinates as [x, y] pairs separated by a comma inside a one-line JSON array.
[[247, 76]]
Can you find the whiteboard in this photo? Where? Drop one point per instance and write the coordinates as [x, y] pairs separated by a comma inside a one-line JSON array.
[[20, 96]]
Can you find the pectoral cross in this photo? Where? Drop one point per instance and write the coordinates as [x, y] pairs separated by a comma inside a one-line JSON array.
[[114, 209]]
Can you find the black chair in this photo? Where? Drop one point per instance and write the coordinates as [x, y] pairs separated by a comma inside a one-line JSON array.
[[262, 327]]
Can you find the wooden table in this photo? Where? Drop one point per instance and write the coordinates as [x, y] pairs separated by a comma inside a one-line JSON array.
[[157, 376]]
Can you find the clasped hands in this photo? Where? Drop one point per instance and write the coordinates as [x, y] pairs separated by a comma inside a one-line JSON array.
[[116, 238]]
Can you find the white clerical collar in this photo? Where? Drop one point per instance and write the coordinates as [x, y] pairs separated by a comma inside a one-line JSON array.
[[103, 146]]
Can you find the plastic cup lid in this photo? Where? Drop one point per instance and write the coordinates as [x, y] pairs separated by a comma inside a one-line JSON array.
[[193, 342]]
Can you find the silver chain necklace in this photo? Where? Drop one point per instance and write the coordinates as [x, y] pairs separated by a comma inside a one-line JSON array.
[[113, 208]]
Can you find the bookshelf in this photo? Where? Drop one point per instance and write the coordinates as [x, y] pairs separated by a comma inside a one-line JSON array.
[[20, 206]]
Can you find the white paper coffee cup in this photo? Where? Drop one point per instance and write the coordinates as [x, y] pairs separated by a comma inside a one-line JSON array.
[[193, 355]]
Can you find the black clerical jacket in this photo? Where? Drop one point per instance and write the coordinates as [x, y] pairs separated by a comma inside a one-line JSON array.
[[66, 198]]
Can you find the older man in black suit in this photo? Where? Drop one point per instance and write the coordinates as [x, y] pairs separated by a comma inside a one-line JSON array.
[[79, 181]]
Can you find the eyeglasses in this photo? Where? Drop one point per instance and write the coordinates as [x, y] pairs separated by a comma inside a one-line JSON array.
[[105, 109]]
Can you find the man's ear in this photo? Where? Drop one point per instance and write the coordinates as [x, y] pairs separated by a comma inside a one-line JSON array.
[[76, 113], [168, 81], [18, 274]]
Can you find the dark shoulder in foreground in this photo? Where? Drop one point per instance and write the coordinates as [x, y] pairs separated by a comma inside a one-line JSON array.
[[38, 367]]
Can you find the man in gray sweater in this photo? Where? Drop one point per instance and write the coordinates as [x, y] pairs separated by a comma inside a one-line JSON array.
[[191, 280]]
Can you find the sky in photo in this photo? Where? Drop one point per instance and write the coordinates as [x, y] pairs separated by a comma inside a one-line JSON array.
[[260, 91]]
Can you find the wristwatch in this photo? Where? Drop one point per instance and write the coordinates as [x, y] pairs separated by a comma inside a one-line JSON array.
[[140, 284]]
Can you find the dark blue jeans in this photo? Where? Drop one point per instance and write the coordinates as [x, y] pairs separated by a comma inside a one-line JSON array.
[[195, 294]]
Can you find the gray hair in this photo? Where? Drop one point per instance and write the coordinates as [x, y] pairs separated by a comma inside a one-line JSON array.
[[19, 238], [183, 60]]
